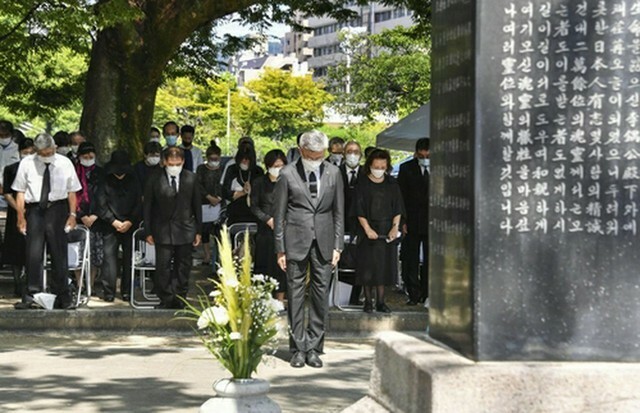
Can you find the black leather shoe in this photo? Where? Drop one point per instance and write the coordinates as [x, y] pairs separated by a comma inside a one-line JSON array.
[[163, 306], [67, 305], [108, 298], [383, 308], [411, 302], [368, 307], [126, 298], [25, 304], [297, 360], [313, 360]]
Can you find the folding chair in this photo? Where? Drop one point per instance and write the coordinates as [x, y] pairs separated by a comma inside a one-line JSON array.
[[143, 262], [346, 272], [237, 230], [79, 256]]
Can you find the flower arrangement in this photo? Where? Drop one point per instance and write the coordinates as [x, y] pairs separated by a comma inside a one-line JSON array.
[[238, 321]]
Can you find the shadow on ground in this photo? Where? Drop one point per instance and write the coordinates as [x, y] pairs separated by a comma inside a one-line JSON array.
[[51, 392]]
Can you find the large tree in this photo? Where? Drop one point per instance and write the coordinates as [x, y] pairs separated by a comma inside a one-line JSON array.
[[131, 44]]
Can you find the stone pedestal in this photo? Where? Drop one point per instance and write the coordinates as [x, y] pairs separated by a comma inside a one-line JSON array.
[[411, 375]]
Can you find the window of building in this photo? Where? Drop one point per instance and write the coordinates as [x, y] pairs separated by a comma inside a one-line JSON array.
[[383, 16]]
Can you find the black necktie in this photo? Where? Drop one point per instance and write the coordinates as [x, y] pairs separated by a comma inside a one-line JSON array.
[[174, 185], [313, 185], [352, 180], [46, 187]]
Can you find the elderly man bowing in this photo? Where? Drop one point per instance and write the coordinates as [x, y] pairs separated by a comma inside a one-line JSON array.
[[309, 219], [46, 186]]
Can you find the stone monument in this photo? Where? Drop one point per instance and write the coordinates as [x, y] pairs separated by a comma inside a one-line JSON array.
[[535, 250], [536, 176]]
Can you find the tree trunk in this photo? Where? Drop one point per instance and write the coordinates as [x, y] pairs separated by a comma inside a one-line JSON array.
[[125, 71], [119, 97]]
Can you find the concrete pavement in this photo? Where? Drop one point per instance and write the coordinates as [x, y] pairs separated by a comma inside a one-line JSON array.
[[89, 373]]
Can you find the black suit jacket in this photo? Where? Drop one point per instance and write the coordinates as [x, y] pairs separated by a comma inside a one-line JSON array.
[[172, 219], [415, 193], [351, 220]]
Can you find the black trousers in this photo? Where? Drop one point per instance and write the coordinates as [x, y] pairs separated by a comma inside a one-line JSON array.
[[311, 337], [112, 240], [415, 278], [171, 281], [47, 225]]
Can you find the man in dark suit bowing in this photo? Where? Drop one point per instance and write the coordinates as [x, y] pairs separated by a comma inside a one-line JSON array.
[[350, 171], [309, 216], [414, 184], [173, 221]]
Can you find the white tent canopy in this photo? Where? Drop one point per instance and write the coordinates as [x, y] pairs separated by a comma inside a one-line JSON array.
[[403, 134]]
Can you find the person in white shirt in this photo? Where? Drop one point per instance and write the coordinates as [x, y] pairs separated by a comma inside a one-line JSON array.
[[46, 186], [187, 133], [9, 153]]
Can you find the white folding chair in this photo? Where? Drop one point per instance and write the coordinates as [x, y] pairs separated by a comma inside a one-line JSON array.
[[237, 230], [79, 256], [143, 263], [337, 284]]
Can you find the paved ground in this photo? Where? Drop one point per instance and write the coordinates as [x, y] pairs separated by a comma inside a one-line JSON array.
[[140, 374]]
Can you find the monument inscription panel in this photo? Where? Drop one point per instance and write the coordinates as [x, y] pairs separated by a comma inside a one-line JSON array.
[[556, 157]]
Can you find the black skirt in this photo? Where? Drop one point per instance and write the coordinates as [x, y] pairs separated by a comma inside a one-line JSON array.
[[377, 262], [266, 260]]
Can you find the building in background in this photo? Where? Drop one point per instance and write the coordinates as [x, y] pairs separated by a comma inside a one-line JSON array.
[[297, 43], [323, 46]]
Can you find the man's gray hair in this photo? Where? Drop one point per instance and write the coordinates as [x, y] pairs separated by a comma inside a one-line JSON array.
[[44, 141], [314, 141]]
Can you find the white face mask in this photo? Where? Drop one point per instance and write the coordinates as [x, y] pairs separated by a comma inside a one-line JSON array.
[[336, 157], [5, 141], [74, 148], [88, 162], [244, 166], [153, 160], [377, 173], [213, 164], [46, 159], [63, 150], [352, 160], [174, 170], [275, 172], [154, 140], [311, 165], [423, 161]]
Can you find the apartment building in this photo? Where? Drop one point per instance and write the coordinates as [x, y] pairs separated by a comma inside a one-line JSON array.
[[324, 44]]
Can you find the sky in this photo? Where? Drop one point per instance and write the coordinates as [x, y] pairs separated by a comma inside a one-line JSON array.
[[278, 30]]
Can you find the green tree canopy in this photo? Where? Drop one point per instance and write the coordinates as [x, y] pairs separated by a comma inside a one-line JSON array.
[[389, 74], [280, 104]]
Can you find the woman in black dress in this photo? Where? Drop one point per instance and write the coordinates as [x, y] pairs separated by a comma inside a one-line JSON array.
[[209, 175], [237, 185], [14, 242], [262, 206], [378, 207]]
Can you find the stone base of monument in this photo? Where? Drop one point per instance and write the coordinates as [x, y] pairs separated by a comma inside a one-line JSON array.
[[411, 375]]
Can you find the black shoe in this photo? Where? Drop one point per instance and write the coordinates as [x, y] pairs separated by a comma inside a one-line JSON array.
[[368, 307], [67, 305], [313, 360], [126, 298], [164, 306], [297, 360], [108, 298], [383, 308], [411, 302], [27, 303]]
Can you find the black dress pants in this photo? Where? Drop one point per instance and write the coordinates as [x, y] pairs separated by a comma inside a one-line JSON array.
[[47, 225], [111, 267], [172, 280], [415, 278]]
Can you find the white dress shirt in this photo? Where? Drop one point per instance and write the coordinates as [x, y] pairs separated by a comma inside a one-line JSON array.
[[61, 172], [317, 172], [169, 177]]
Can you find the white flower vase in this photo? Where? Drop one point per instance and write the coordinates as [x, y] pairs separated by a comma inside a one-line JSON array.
[[240, 396]]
